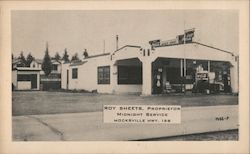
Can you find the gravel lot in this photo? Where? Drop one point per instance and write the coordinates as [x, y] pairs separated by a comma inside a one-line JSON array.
[[40, 102]]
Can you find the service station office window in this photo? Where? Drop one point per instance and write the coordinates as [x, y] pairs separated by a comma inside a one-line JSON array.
[[74, 73], [103, 75]]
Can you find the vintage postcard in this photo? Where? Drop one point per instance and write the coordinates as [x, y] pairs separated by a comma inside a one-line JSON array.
[[125, 77]]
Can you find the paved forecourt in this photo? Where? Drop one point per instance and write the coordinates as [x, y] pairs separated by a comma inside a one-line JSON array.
[[89, 125]]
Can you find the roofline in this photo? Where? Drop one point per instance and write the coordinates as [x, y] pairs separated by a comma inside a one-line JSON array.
[[37, 60], [132, 46], [78, 63], [54, 60], [202, 45], [26, 69], [215, 48], [99, 55]]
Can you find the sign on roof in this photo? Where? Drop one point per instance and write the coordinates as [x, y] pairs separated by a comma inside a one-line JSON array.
[[187, 37]]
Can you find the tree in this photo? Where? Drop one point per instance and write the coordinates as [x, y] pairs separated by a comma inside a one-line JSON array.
[[65, 55], [47, 64], [22, 60], [29, 59], [75, 57], [57, 56], [85, 53], [12, 60]]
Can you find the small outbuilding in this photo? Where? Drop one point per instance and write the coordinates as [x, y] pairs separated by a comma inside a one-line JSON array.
[[26, 78]]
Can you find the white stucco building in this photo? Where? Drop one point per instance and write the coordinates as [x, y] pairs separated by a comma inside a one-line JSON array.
[[152, 69]]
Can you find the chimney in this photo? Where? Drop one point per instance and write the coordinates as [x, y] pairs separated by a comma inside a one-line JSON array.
[[103, 46], [117, 39], [85, 54]]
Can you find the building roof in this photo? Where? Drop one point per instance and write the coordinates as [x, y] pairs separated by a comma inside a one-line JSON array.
[[77, 63], [131, 46], [27, 69], [93, 56], [54, 60], [221, 50], [39, 61], [214, 48], [194, 51], [15, 61]]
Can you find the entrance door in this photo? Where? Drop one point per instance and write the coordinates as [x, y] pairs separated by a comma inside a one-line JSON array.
[[67, 83], [33, 79]]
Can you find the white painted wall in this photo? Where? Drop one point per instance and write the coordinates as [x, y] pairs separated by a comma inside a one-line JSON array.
[[35, 64], [14, 77], [234, 74], [87, 75], [59, 67], [130, 88], [191, 51], [64, 69]]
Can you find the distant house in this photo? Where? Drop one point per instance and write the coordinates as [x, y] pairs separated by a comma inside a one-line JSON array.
[[56, 65], [17, 63], [36, 63], [53, 80], [33, 77]]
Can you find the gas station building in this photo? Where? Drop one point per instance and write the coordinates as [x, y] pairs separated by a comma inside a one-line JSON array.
[[173, 66]]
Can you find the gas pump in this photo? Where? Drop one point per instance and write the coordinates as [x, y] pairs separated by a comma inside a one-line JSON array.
[[205, 81], [159, 80]]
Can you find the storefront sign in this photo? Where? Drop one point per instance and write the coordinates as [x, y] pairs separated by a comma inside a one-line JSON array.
[[169, 42], [155, 43], [187, 37]]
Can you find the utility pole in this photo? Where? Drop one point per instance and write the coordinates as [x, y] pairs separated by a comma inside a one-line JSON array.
[[184, 60], [117, 39], [103, 46]]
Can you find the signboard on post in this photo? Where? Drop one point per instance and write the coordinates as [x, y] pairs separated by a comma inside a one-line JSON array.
[[155, 43], [189, 34]]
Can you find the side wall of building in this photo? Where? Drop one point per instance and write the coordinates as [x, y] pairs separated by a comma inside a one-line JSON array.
[[119, 89], [65, 67], [14, 77], [87, 75]]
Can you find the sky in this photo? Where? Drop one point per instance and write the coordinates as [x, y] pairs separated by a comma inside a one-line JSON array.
[[77, 30]]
